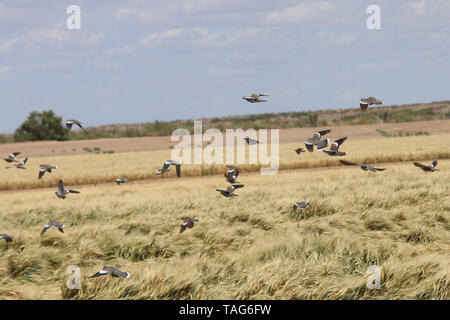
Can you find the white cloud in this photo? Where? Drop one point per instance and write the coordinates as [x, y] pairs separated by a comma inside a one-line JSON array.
[[418, 7], [301, 13], [51, 38], [157, 38]]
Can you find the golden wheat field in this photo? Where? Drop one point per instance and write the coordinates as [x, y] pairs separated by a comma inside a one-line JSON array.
[[104, 168], [246, 247]]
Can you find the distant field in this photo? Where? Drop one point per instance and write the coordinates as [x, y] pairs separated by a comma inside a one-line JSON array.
[[248, 247], [103, 168], [82, 147]]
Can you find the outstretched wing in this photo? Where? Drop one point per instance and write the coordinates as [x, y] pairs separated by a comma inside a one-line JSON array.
[[184, 225], [45, 228], [323, 132], [61, 186], [420, 165], [336, 144], [347, 163], [178, 168], [309, 146], [433, 164]]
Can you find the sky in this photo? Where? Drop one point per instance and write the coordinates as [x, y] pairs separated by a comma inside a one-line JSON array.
[[137, 61]]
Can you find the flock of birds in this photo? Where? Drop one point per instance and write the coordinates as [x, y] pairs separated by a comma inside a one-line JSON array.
[[231, 175]]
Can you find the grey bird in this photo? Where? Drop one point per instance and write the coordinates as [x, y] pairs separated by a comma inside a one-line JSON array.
[[334, 149], [120, 180], [53, 224], [315, 140], [431, 167], [188, 223], [11, 157], [6, 237], [70, 123], [250, 140], [21, 165], [45, 168], [112, 271], [232, 174], [254, 97], [364, 167], [364, 103], [228, 192], [299, 150], [300, 206], [167, 165], [61, 193]]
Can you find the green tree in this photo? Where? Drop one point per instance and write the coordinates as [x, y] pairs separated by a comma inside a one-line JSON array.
[[41, 126]]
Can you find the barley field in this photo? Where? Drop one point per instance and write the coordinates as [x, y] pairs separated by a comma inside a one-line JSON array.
[[104, 168], [246, 247]]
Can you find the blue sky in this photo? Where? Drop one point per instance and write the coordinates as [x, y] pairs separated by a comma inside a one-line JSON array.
[[139, 61]]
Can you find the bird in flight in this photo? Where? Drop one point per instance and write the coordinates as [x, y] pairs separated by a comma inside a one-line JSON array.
[[119, 180], [45, 168], [364, 167], [431, 167], [70, 123], [6, 237], [20, 165], [188, 223], [61, 193], [53, 224], [112, 271], [300, 206], [254, 97], [228, 192], [334, 149], [364, 103], [167, 165], [315, 140], [11, 157], [232, 174], [250, 140]]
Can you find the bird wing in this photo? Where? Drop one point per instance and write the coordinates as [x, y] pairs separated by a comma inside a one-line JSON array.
[[420, 165], [323, 132], [380, 169], [178, 168], [14, 154], [236, 186], [363, 106], [184, 225], [336, 144], [24, 161], [61, 186], [45, 228], [73, 191], [433, 164], [347, 163], [100, 273], [309, 146], [41, 173], [78, 123]]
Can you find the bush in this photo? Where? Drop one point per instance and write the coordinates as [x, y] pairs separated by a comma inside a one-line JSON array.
[[41, 126]]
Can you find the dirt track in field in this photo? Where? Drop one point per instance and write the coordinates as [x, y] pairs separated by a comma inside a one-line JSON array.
[[55, 148]]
